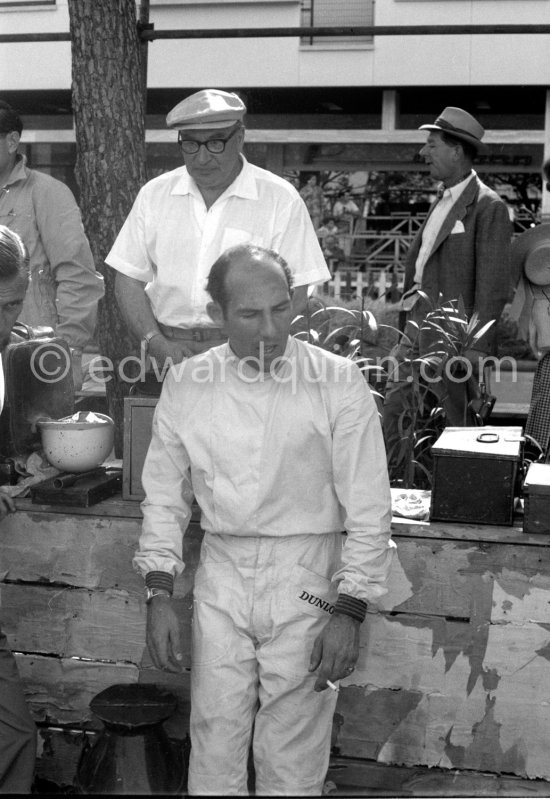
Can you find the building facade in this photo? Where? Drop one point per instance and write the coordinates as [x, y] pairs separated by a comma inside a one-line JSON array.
[[316, 104]]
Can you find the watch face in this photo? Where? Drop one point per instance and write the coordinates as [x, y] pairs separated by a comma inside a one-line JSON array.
[[152, 592]]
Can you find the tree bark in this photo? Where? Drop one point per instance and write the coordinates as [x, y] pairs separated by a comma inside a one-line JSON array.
[[109, 113]]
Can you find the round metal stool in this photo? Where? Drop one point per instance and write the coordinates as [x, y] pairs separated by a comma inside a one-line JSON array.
[[132, 754]]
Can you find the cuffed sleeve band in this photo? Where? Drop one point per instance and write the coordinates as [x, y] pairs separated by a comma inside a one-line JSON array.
[[351, 606], [160, 580]]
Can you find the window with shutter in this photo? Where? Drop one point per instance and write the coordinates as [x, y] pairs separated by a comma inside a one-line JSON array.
[[323, 13]]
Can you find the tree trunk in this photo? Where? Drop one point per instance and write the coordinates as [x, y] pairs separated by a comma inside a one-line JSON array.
[[109, 113]]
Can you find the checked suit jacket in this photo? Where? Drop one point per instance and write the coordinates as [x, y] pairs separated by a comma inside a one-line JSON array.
[[470, 258]]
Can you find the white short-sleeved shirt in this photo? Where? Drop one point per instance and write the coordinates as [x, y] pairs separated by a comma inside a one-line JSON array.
[[170, 239]]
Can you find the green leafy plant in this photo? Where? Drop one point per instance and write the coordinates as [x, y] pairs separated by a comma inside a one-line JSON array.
[[351, 330], [383, 352], [439, 346], [419, 424]]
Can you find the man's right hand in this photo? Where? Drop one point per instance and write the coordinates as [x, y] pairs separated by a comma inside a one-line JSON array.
[[163, 637], [161, 349], [7, 504]]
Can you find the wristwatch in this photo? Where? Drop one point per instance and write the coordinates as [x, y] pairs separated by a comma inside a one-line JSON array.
[[152, 592], [147, 338]]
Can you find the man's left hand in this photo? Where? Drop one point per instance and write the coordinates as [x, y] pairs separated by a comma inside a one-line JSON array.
[[335, 650]]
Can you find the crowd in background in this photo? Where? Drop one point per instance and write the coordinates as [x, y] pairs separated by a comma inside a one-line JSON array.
[[339, 214]]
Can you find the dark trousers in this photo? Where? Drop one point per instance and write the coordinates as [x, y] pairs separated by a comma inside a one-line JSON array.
[[17, 730]]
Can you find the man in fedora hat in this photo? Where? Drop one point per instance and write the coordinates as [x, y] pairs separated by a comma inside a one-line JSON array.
[[531, 309], [461, 250], [183, 220]]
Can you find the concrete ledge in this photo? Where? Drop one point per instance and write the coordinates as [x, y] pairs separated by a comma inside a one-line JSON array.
[[355, 777]]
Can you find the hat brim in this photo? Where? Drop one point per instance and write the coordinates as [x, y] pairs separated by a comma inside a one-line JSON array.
[[523, 244], [206, 125], [477, 143]]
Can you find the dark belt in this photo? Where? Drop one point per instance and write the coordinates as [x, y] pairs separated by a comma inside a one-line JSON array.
[[193, 333]]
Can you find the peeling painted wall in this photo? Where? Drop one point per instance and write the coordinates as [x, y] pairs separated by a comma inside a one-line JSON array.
[[454, 668]]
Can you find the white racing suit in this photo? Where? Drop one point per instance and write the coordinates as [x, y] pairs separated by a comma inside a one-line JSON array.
[[259, 605]]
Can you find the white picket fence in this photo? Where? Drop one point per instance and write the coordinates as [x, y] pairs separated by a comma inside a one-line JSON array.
[[352, 283]]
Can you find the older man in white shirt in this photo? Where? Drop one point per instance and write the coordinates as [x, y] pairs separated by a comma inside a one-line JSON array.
[[183, 220], [281, 444]]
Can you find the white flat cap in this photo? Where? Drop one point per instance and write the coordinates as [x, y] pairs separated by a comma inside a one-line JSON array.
[[209, 108]]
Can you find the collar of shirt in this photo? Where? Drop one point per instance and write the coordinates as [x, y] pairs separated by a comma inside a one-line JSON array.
[[244, 185], [454, 192], [19, 171]]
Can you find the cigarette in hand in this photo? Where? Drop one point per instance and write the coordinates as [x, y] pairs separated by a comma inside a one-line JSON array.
[[332, 686]]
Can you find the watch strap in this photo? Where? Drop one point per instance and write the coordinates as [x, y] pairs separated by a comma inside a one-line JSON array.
[[150, 593], [145, 341]]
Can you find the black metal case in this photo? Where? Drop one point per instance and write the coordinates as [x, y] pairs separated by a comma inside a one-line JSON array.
[[475, 474], [536, 498]]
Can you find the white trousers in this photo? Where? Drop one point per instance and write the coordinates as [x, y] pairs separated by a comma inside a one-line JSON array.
[[259, 605]]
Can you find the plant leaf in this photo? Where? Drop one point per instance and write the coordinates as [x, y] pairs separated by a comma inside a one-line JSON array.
[[481, 332]]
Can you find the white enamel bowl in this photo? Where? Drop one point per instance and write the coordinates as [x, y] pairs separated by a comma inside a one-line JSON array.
[[77, 446]]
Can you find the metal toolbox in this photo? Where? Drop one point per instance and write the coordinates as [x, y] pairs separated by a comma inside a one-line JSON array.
[[475, 472], [536, 499], [138, 423]]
